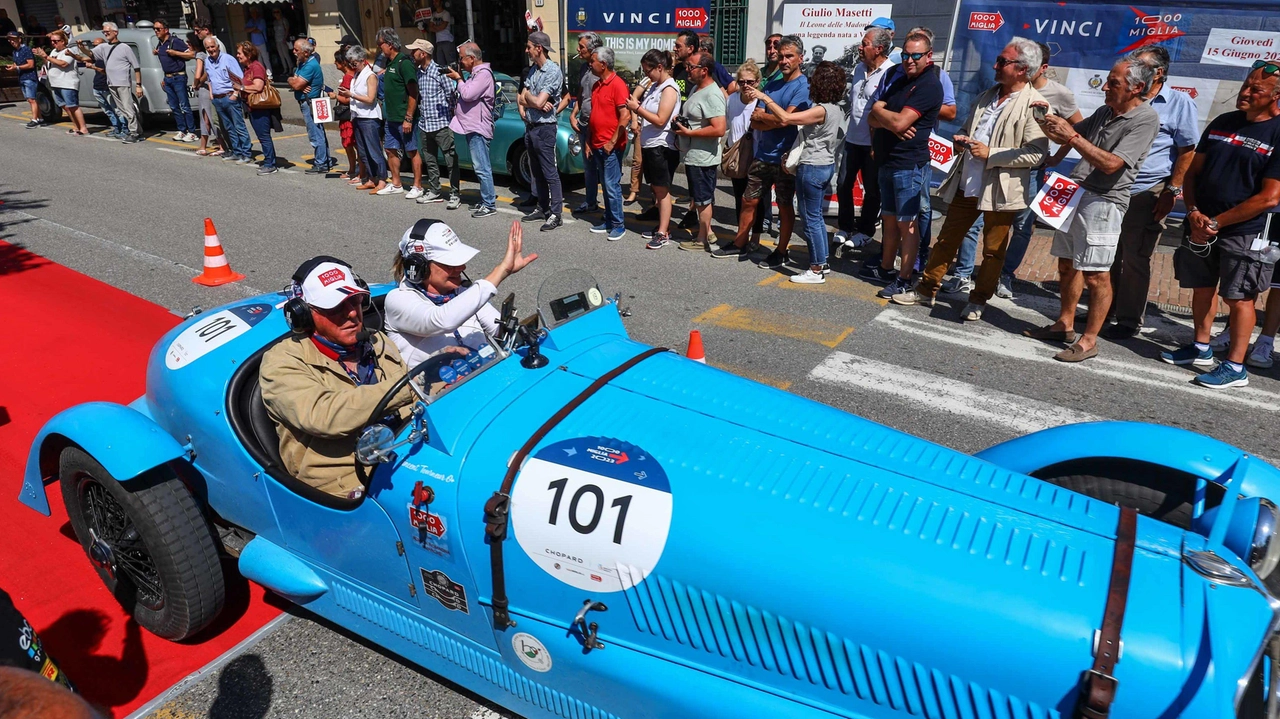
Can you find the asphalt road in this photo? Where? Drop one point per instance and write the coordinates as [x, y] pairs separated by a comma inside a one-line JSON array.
[[132, 216]]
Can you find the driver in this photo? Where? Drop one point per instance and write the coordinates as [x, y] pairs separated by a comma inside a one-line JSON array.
[[321, 384], [435, 309]]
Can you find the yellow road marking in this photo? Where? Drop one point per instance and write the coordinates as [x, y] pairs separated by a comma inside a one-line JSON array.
[[805, 329], [170, 711], [15, 117], [762, 379], [288, 137], [183, 145], [835, 285]]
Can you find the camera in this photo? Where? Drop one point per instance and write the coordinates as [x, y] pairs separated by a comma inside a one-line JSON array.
[[682, 121]]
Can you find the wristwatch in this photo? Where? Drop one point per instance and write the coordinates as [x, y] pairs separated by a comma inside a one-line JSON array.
[[1175, 189]]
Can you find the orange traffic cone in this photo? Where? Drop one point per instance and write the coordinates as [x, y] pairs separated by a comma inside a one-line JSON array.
[[216, 269], [694, 352]]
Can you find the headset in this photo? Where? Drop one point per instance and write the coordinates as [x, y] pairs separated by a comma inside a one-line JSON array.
[[416, 265], [297, 313]]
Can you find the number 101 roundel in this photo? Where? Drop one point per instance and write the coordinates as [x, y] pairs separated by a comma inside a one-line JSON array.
[[593, 512]]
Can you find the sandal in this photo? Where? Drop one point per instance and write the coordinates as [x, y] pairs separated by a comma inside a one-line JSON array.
[[203, 153], [1049, 334], [1076, 353], [217, 153]]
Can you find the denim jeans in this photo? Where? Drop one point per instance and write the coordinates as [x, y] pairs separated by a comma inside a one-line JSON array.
[[811, 185], [369, 144], [608, 169], [591, 186], [175, 91], [315, 135], [478, 145], [926, 217], [108, 106], [261, 121], [1023, 226], [231, 113]]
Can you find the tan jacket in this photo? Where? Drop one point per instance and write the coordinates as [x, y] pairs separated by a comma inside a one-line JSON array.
[[319, 410], [1017, 145]]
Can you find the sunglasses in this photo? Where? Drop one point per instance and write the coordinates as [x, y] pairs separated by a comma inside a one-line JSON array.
[[1268, 68], [914, 56], [1001, 62], [748, 82]]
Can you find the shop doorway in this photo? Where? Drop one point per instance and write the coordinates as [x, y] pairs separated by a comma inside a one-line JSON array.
[[374, 14]]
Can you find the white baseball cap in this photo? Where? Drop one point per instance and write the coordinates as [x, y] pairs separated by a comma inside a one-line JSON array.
[[438, 242], [329, 284]]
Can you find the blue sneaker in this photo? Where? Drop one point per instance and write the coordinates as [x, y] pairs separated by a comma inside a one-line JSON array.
[[1188, 354], [657, 241], [616, 233], [600, 229], [1222, 377]]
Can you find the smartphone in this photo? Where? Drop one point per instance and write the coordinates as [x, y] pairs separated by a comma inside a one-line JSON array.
[[1039, 112]]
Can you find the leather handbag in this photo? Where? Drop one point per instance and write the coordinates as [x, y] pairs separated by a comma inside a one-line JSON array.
[[268, 99], [737, 157]]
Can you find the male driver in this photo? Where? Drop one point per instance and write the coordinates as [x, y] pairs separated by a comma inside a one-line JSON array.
[[173, 54], [1157, 187], [607, 131], [124, 78], [25, 63], [320, 386], [1000, 144], [539, 98], [1113, 143], [437, 93], [699, 139], [902, 120], [774, 139], [399, 111], [307, 82], [1234, 179], [473, 119], [588, 42], [857, 144]]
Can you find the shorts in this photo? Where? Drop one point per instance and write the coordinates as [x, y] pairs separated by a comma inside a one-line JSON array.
[[1091, 238], [1230, 265], [29, 88], [66, 96], [394, 138], [900, 191], [702, 184], [1275, 277], [659, 165], [762, 174], [347, 132]]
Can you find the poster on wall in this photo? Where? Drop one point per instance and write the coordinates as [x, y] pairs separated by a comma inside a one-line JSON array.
[[631, 29], [831, 31], [1240, 48]]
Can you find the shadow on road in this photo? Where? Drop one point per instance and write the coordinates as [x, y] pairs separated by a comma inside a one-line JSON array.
[[244, 690]]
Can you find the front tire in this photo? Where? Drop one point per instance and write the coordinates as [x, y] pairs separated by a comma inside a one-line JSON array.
[[150, 543], [521, 166]]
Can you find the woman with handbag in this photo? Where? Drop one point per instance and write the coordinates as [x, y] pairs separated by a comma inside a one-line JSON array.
[[812, 159], [262, 101], [737, 154]]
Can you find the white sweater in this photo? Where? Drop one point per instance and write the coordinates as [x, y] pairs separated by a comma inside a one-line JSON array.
[[421, 329]]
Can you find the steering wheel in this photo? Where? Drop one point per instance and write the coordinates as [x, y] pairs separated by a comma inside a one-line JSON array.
[[427, 366]]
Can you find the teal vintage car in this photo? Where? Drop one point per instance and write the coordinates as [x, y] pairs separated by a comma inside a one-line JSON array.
[[507, 152]]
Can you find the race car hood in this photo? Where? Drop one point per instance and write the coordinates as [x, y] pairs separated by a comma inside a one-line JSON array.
[[825, 557]]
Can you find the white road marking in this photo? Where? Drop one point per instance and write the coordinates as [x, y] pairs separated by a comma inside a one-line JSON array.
[[1020, 415], [186, 153], [985, 338], [483, 713]]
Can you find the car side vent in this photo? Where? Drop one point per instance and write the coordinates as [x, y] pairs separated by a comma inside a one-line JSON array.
[[806, 654]]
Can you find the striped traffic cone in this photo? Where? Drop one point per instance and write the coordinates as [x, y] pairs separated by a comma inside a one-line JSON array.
[[216, 269], [694, 351]]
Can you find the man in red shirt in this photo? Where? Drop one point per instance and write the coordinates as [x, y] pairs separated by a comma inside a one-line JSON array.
[[607, 141]]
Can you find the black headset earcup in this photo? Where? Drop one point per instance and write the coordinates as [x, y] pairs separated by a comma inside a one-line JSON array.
[[415, 268], [297, 314]]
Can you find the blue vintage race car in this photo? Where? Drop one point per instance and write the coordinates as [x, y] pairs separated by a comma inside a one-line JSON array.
[[584, 526]]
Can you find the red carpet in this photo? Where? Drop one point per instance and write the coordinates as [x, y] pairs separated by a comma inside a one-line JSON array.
[[76, 340]]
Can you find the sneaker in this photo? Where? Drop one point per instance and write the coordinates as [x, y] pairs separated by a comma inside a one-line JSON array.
[[1188, 354], [267, 171], [617, 233], [1260, 357], [1004, 290], [879, 275], [897, 287], [534, 216], [767, 226], [1223, 377], [239, 161], [390, 190], [649, 215], [430, 196], [869, 262], [727, 250], [809, 277], [913, 297], [180, 136], [773, 261], [316, 170], [1221, 342], [600, 229], [693, 244], [648, 234], [585, 208], [484, 212], [957, 285], [553, 221], [34, 123], [131, 139], [454, 203], [413, 193], [856, 240], [972, 312], [192, 137], [690, 220], [838, 239], [657, 241]]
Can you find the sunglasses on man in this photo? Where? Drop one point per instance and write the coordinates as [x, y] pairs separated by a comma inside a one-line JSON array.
[[914, 56], [1267, 67]]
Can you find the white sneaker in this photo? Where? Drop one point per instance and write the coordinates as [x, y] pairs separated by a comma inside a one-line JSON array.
[[809, 277], [1261, 355], [413, 193], [839, 238], [180, 136], [192, 137], [390, 190], [1221, 341], [957, 285]]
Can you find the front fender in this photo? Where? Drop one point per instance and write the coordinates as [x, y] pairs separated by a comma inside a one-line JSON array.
[[1177, 449], [122, 439]]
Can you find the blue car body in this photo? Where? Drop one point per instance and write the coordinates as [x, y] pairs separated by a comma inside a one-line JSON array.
[[742, 552]]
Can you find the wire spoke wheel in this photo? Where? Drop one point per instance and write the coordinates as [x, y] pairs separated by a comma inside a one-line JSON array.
[[126, 552]]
